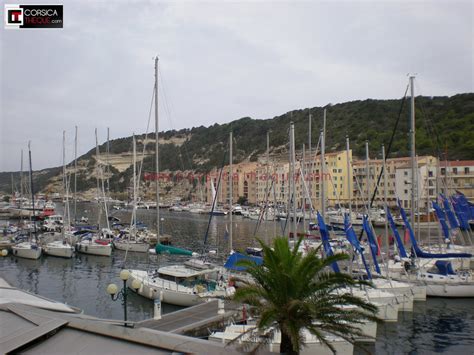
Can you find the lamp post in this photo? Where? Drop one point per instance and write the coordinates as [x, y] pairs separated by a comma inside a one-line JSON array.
[[115, 294]]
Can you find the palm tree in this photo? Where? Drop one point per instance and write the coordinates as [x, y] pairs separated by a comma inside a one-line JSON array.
[[292, 292]]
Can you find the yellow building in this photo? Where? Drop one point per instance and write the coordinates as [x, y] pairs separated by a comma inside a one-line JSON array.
[[337, 179]]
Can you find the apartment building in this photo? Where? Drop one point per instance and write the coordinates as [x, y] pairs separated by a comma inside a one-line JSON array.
[[458, 176], [361, 193], [244, 183], [425, 191]]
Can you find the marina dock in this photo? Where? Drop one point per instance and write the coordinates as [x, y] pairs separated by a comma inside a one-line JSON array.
[[193, 319]]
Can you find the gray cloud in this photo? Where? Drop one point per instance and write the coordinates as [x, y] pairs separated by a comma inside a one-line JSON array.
[[219, 61]]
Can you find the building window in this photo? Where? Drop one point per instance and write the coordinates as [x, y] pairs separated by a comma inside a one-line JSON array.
[[430, 173], [466, 170], [443, 171], [405, 173], [455, 170], [406, 191]]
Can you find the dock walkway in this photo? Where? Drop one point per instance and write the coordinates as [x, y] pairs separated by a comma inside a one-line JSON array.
[[192, 318]]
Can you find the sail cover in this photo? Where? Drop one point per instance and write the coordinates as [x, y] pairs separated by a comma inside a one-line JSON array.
[[323, 230], [420, 253], [352, 238], [232, 262], [401, 247], [374, 248]]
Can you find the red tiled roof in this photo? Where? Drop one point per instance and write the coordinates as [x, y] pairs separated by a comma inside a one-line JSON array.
[[458, 163]]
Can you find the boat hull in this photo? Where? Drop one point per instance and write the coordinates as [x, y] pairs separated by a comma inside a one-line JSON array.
[[94, 249], [27, 253], [135, 247], [166, 290], [59, 251], [450, 290]]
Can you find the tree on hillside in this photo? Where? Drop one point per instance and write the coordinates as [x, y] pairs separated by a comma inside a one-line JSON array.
[[293, 292]]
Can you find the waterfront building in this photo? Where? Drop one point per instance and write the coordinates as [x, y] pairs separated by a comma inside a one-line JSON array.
[[459, 175], [393, 165]]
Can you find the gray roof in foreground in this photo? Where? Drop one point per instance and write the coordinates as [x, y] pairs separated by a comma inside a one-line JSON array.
[[38, 331]]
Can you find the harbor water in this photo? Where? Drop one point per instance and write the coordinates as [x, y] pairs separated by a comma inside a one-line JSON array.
[[436, 326]]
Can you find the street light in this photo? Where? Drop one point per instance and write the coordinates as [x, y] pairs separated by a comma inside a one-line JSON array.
[[115, 294]]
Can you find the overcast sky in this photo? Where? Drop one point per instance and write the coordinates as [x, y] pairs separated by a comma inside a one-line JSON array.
[[219, 61]]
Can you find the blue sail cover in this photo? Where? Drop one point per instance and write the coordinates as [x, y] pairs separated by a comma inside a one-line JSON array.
[[401, 248], [453, 222], [461, 214], [441, 219], [420, 253], [466, 206], [352, 238], [323, 230], [374, 248], [232, 261]]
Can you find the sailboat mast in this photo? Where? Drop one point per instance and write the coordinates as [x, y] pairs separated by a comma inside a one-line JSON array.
[[231, 187], [64, 165], [75, 173], [412, 148], [367, 176], [310, 166], [21, 180], [323, 167], [134, 217], [31, 187], [157, 170], [292, 176], [108, 168], [349, 192], [303, 207], [97, 177], [384, 167], [65, 190]]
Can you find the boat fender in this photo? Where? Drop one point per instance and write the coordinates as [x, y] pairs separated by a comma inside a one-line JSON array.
[[230, 291]]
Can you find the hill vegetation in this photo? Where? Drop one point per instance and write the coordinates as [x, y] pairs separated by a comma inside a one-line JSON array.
[[443, 125]]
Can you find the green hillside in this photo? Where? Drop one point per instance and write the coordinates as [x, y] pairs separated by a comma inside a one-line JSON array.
[[451, 117]]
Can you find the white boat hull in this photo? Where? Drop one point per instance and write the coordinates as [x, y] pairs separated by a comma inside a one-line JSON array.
[[402, 292], [450, 290], [27, 253], [169, 291], [59, 249], [94, 249], [136, 247]]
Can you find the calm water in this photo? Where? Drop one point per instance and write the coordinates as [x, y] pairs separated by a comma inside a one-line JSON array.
[[439, 325]]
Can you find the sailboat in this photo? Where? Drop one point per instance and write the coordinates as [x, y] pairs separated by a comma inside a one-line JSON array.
[[131, 240], [441, 280], [183, 284], [91, 242], [62, 248], [29, 249]]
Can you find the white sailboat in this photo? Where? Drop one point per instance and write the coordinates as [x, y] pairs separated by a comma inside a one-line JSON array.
[[29, 249], [92, 243], [62, 248], [131, 240], [184, 284]]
